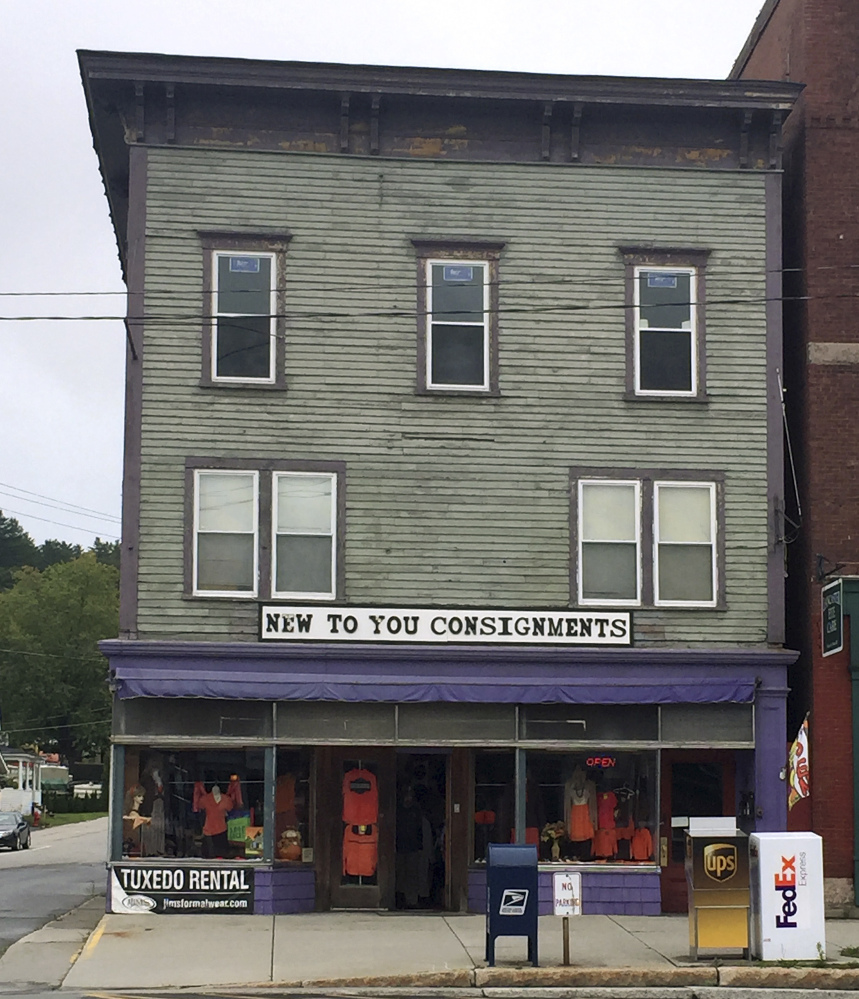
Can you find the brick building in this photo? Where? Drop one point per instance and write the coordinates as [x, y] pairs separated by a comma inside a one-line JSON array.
[[816, 42]]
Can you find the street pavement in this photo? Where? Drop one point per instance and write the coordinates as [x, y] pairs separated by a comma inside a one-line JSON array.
[[62, 869]]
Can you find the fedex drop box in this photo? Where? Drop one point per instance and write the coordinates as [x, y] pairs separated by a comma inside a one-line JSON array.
[[787, 916]]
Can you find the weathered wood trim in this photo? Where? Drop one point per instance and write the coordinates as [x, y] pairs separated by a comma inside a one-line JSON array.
[[276, 243], [775, 431], [666, 257], [344, 123], [489, 251], [647, 477], [170, 124], [132, 459], [265, 467]]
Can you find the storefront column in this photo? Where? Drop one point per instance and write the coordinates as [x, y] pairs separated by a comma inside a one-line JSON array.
[[268, 805], [521, 793], [770, 759], [117, 797]]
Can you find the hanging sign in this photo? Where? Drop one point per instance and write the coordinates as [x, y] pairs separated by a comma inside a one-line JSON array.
[[832, 617], [286, 623]]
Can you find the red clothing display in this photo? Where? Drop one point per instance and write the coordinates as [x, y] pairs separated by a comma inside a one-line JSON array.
[[360, 798], [642, 845], [360, 851], [581, 827], [216, 813], [605, 843], [606, 804]]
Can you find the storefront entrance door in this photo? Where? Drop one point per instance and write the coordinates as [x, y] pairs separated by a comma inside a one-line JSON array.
[[356, 823], [695, 783]]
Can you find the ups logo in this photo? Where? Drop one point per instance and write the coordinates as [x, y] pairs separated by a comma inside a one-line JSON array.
[[720, 861]]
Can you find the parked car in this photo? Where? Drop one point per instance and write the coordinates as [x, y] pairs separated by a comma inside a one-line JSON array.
[[14, 831]]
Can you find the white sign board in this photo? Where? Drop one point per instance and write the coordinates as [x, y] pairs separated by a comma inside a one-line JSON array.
[[786, 872], [566, 894], [437, 626]]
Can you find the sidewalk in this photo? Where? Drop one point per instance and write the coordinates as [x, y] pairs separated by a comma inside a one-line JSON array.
[[339, 950]]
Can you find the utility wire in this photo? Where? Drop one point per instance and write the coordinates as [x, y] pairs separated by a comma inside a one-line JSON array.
[[73, 507], [47, 520]]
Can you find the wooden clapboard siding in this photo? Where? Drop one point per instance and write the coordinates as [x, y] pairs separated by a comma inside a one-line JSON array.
[[449, 499]]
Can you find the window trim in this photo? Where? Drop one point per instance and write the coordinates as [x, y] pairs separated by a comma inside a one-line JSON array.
[[648, 478], [274, 246], [486, 254], [195, 533], [583, 601], [276, 594], [714, 535], [694, 261], [266, 468]]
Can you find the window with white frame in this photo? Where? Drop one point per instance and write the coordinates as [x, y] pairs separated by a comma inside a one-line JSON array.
[[244, 313], [304, 531], [457, 324], [225, 532], [665, 323], [457, 313], [685, 543], [267, 528], [609, 542], [648, 539], [666, 341]]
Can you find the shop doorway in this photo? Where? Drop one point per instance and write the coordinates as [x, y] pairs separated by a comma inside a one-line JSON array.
[[694, 784], [420, 874]]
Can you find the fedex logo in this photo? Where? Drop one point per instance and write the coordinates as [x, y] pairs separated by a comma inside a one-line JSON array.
[[786, 884]]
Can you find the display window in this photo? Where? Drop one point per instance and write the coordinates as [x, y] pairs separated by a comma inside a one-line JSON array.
[[360, 823], [579, 807], [293, 837], [200, 803]]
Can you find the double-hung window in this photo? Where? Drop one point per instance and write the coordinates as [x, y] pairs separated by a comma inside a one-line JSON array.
[[244, 309], [457, 317], [643, 539], [305, 512], [265, 529], [665, 324], [684, 543], [226, 532]]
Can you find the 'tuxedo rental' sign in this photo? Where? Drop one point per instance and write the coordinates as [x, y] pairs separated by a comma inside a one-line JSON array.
[[371, 624]]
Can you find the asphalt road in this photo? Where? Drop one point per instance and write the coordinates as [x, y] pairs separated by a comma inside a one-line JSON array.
[[62, 869]]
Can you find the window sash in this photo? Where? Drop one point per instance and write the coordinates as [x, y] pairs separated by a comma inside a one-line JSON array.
[[199, 587], [433, 321], [251, 317], [664, 546], [681, 334], [584, 542], [328, 531]]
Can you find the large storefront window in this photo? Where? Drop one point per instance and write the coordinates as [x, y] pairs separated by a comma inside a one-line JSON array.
[[579, 807], [193, 804], [293, 841]]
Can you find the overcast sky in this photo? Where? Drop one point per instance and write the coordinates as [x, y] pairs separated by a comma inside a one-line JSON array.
[[61, 382]]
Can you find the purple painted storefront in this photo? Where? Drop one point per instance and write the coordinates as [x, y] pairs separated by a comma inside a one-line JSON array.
[[460, 712]]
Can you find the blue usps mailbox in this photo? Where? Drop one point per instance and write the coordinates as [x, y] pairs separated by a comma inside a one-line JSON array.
[[511, 896]]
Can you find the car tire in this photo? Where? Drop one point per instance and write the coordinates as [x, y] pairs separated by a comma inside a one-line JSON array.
[[16, 843], [26, 844]]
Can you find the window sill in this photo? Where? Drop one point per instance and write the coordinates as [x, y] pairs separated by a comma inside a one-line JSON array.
[[461, 393], [208, 383], [701, 400]]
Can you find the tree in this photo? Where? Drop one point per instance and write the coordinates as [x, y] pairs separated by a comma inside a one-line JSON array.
[[17, 549], [53, 679], [51, 552], [106, 552]]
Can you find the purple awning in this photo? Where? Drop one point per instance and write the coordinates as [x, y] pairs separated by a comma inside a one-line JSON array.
[[429, 673]]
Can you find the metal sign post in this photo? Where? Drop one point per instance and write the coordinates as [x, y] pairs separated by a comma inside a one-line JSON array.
[[566, 902]]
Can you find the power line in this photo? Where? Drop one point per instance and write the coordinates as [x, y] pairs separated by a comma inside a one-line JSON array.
[[72, 506], [62, 509], [47, 520]]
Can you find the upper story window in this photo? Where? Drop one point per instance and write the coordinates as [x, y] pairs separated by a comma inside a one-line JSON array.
[[305, 516], [244, 307], [645, 539], [665, 324], [458, 317], [265, 529]]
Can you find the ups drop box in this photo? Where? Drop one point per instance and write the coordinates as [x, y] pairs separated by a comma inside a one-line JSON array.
[[717, 878]]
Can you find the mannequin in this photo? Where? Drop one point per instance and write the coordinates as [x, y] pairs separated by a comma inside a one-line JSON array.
[[215, 805], [580, 812]]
